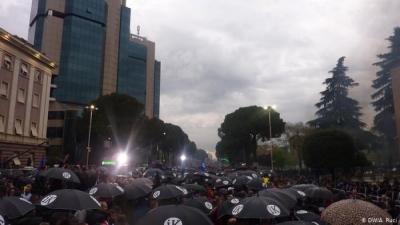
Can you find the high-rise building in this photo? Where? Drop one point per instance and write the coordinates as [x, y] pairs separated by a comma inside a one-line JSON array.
[[91, 42], [25, 79]]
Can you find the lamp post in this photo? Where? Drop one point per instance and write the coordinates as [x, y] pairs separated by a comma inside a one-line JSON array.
[[270, 135], [151, 147], [92, 107]]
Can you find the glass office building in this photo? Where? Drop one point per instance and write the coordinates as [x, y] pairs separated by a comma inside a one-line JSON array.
[[91, 42]]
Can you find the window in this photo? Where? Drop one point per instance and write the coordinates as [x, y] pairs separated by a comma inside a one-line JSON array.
[[3, 89], [21, 95], [38, 76], [34, 129], [7, 62], [24, 70], [18, 126], [2, 122], [35, 100]]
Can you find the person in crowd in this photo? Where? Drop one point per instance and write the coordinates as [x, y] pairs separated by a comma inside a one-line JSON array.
[[111, 217], [26, 194], [99, 216]]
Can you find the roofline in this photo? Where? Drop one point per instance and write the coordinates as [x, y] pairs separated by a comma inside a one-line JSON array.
[[24, 46]]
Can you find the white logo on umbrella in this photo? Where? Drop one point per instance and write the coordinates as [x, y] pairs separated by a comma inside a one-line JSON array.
[[173, 221], [234, 181], [301, 212], [225, 182], [120, 188], [130, 173], [315, 223], [274, 210], [179, 188], [2, 221], [22, 199], [92, 191], [208, 205], [48, 199], [237, 209], [249, 177], [174, 174], [156, 194], [206, 174], [301, 193], [254, 175], [218, 180], [95, 200], [66, 175], [235, 201]]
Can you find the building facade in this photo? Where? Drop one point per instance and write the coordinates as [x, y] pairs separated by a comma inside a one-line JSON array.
[[97, 55], [25, 83]]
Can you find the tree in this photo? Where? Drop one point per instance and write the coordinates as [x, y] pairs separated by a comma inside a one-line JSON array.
[[243, 128], [176, 142], [336, 109], [119, 118], [295, 134], [331, 150], [383, 103], [201, 154]]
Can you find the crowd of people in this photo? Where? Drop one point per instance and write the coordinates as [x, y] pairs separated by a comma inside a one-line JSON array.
[[120, 211]]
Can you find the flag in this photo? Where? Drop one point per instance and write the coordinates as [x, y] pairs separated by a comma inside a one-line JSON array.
[[42, 163], [203, 167]]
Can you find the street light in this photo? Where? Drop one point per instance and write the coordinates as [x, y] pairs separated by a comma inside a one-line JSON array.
[[151, 147], [92, 107], [270, 134]]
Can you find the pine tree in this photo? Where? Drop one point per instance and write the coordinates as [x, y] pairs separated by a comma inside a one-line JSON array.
[[336, 109], [384, 121]]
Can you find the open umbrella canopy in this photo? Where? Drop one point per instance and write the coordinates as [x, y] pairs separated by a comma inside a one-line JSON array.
[[106, 190], [226, 207], [145, 181], [255, 184], [171, 174], [297, 193], [69, 199], [250, 173], [194, 187], [175, 215], [309, 217], [317, 192], [241, 180], [137, 190], [199, 203], [302, 187], [222, 182], [203, 174], [14, 207], [351, 211], [167, 191], [259, 208], [177, 181], [287, 199], [61, 174], [152, 173]]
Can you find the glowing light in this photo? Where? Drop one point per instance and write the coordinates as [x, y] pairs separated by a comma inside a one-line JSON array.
[[122, 158], [183, 157]]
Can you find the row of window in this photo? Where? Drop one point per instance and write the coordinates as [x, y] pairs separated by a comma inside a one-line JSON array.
[[4, 89], [18, 127], [8, 63]]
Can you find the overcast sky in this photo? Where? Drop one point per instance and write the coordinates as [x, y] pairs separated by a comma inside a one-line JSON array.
[[220, 55]]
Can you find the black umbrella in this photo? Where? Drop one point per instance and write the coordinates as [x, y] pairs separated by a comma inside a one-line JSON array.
[[167, 191], [69, 199], [203, 174], [13, 207], [226, 207], [259, 208], [22, 181], [152, 173], [103, 169], [194, 187], [309, 217], [255, 184], [200, 203], [106, 190], [241, 180], [249, 173], [137, 190], [297, 193], [303, 187], [190, 176], [175, 215], [171, 174], [287, 199], [61, 174], [222, 182], [317, 192], [145, 181]]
